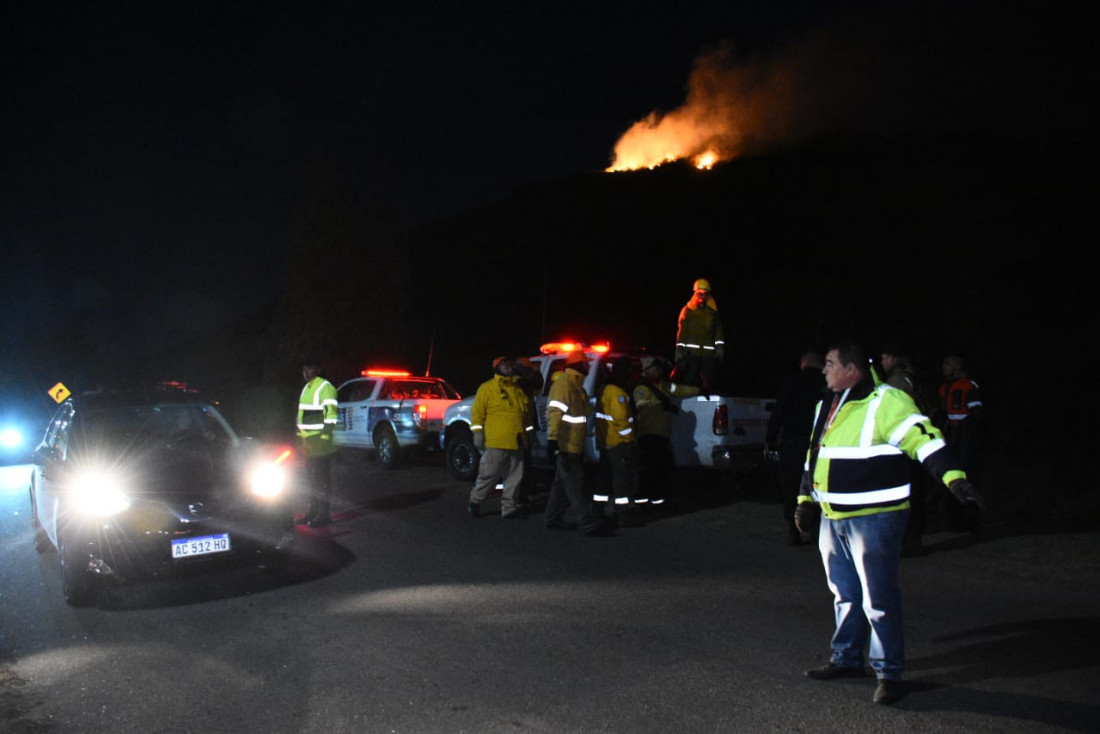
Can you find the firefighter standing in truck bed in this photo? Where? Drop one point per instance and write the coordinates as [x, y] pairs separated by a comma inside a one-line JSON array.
[[700, 340]]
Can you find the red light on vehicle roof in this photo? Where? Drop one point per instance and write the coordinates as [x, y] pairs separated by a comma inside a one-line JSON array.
[[566, 347], [385, 373]]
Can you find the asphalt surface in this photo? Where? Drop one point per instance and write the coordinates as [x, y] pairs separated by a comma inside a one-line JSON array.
[[409, 616]]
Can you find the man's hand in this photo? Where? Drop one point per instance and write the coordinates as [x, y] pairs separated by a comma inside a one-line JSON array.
[[479, 441], [807, 517], [966, 491], [552, 448]]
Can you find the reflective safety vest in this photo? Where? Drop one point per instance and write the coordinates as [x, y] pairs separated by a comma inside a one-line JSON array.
[[614, 418], [317, 416], [860, 451], [567, 412], [960, 399]]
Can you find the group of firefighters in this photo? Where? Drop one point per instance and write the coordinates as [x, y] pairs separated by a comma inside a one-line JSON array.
[[854, 493]]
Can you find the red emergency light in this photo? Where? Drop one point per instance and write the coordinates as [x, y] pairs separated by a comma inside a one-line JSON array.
[[385, 373], [567, 347]]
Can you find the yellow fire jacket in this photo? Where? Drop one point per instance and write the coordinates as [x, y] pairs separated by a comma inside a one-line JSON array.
[[567, 412], [502, 409], [614, 418]]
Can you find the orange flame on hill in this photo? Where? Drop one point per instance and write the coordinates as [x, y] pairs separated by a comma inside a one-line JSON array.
[[707, 128]]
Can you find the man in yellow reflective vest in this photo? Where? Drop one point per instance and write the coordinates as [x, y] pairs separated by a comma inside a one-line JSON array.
[[316, 423], [857, 472]]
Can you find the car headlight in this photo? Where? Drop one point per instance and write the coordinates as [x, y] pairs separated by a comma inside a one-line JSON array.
[[99, 493], [268, 480]]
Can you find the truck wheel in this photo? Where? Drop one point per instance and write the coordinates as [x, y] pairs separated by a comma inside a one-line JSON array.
[[77, 582], [462, 456], [387, 450]]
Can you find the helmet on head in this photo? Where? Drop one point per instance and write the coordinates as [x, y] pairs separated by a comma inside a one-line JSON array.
[[502, 365], [701, 285], [577, 357]]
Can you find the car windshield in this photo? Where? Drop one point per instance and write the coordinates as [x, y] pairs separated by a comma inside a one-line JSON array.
[[156, 422]]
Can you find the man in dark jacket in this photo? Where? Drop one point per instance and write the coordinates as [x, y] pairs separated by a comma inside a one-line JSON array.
[[789, 428]]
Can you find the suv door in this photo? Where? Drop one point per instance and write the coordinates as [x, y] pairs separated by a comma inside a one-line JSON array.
[[353, 400]]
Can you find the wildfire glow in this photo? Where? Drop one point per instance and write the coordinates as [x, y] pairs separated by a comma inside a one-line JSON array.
[[727, 106], [705, 161]]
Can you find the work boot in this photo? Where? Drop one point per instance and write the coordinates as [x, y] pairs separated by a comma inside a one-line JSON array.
[[828, 671], [311, 513], [888, 691]]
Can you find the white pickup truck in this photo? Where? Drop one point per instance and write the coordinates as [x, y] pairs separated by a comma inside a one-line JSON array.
[[710, 431], [391, 413]]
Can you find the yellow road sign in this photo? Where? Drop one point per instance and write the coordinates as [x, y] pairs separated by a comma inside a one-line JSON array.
[[59, 392]]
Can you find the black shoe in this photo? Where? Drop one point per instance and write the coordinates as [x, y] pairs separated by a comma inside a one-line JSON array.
[[598, 530], [474, 509], [516, 514], [322, 521], [560, 525], [828, 671], [888, 691]]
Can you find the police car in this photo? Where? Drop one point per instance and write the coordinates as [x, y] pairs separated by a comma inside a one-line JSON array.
[[392, 412]]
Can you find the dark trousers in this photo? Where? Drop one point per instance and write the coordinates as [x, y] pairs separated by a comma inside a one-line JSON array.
[[319, 474], [567, 490], [654, 468], [701, 372], [792, 462]]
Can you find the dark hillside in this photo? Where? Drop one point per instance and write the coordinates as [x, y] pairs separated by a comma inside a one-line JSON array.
[[961, 244]]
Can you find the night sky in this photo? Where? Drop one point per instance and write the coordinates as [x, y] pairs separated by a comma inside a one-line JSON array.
[[154, 153]]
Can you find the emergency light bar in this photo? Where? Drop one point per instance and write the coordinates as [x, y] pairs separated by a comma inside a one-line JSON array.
[[385, 373], [566, 347]]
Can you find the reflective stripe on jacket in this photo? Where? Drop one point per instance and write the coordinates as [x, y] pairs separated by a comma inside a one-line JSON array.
[[614, 418], [317, 416], [503, 411], [699, 329], [567, 412], [960, 399], [862, 464]]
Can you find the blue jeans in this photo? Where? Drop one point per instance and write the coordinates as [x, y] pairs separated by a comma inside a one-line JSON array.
[[865, 553]]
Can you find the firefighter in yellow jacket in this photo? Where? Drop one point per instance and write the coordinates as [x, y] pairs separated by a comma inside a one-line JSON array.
[[567, 415], [617, 440], [700, 339], [316, 423], [502, 419], [857, 472]]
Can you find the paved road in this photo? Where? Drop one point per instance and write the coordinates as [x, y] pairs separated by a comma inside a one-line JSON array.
[[412, 617]]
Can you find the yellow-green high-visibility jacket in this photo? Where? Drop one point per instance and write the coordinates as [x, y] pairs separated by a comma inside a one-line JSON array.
[[317, 416], [502, 409], [861, 466], [614, 418], [567, 412]]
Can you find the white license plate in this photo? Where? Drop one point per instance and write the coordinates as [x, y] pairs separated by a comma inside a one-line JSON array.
[[201, 546]]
